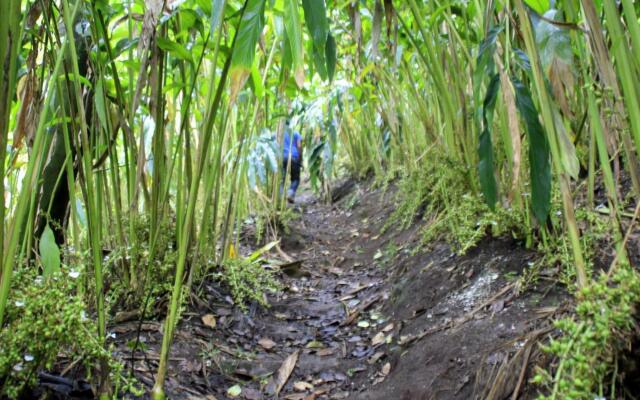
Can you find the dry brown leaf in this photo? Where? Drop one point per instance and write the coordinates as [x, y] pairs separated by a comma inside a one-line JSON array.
[[374, 358], [508, 96], [386, 369], [209, 320], [379, 338], [267, 343], [281, 378]]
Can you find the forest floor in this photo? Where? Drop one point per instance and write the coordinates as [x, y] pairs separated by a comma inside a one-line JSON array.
[[363, 315]]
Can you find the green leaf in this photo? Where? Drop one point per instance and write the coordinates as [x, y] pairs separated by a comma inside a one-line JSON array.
[[539, 6], [234, 391], [331, 55], [539, 165], [293, 27], [315, 17], [258, 86], [553, 42], [49, 252], [248, 34], [173, 48], [320, 62], [258, 253], [485, 148]]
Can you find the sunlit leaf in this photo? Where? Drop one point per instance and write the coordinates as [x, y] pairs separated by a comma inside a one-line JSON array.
[[540, 6], [175, 49], [244, 50], [49, 252]]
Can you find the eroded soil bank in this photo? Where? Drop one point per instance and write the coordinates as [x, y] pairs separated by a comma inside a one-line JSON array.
[[363, 315]]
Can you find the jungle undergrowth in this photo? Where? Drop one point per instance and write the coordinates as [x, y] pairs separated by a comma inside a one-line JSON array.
[[47, 317], [439, 194], [588, 351]]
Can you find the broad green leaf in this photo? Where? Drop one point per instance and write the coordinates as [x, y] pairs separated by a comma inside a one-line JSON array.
[[539, 165], [293, 27], [320, 62], [485, 147], [331, 55], [246, 39], [205, 5], [173, 48], [315, 16], [49, 252], [484, 62], [248, 34], [553, 42], [271, 158], [540, 6]]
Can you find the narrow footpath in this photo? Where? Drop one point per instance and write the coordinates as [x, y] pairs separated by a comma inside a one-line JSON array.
[[363, 314]]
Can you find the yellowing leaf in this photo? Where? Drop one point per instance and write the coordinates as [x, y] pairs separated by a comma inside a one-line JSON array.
[[232, 252], [209, 320], [234, 391]]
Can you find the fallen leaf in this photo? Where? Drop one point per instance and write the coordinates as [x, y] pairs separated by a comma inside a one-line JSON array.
[[209, 320], [277, 383], [302, 386], [374, 358], [296, 396], [267, 343], [386, 369], [387, 328], [234, 391], [314, 344], [324, 352], [378, 339], [363, 324]]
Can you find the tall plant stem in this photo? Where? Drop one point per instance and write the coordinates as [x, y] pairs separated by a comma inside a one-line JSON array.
[[549, 123], [183, 246]]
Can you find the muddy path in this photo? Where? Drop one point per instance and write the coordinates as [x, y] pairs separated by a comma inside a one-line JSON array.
[[363, 314]]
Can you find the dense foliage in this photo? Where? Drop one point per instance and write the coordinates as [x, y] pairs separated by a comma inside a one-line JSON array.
[[137, 136]]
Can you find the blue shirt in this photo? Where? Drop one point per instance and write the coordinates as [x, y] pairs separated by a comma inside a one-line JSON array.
[[293, 147]]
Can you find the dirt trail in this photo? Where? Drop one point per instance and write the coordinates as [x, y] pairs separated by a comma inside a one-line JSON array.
[[363, 317]]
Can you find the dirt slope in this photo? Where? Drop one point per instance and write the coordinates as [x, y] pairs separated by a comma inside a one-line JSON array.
[[366, 316]]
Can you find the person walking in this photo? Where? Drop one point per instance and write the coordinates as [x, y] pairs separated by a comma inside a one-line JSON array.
[[291, 160]]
